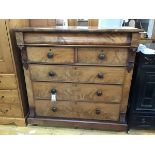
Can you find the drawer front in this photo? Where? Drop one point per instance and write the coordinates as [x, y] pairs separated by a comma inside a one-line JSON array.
[[78, 38], [7, 81], [8, 110], [83, 110], [103, 56], [78, 92], [85, 74], [50, 55], [9, 96]]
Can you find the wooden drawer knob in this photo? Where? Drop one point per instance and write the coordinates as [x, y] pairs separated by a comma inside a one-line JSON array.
[[101, 56], [99, 93], [54, 109], [50, 55], [53, 91], [2, 97], [51, 74], [100, 75], [98, 111]]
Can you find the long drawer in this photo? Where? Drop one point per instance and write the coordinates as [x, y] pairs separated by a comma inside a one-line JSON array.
[[83, 110], [51, 55], [78, 92], [8, 81], [9, 96], [84, 74], [74, 38], [103, 56]]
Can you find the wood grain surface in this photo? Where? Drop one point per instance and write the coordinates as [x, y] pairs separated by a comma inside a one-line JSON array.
[[78, 92], [8, 81], [60, 55], [9, 96], [84, 74], [77, 39], [113, 56], [9, 110], [82, 110]]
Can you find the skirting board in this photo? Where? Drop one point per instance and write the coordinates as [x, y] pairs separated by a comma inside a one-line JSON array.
[[77, 124]]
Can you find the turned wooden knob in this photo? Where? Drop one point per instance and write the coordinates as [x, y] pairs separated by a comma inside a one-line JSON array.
[[51, 74], [99, 93], [50, 55], [98, 111], [2, 97], [53, 91], [101, 56], [54, 109], [100, 75]]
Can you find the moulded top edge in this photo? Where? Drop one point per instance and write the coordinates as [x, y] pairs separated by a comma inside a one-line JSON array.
[[77, 29]]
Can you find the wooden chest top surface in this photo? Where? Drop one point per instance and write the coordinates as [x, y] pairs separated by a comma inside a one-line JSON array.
[[78, 29]]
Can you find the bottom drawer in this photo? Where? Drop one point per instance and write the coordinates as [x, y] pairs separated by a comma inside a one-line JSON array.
[[9, 110], [83, 110]]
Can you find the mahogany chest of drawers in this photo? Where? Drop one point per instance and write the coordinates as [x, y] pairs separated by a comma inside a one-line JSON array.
[[78, 77]]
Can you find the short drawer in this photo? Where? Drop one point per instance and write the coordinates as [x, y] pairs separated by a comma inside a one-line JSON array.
[[9, 110], [84, 74], [9, 96], [51, 55], [78, 92], [82, 110], [8, 81], [103, 56]]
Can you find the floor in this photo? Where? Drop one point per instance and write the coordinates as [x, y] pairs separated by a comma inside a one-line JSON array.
[[37, 130]]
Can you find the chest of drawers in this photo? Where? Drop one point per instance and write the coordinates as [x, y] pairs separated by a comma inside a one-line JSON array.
[[78, 77], [13, 98]]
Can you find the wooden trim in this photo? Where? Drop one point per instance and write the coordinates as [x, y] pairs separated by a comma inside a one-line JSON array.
[[82, 124], [29, 88], [77, 64], [19, 38], [77, 29], [95, 46], [126, 90], [30, 92], [135, 39], [12, 121], [131, 58], [128, 76]]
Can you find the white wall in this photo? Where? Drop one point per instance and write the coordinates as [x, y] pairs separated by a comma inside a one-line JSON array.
[[110, 22]]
